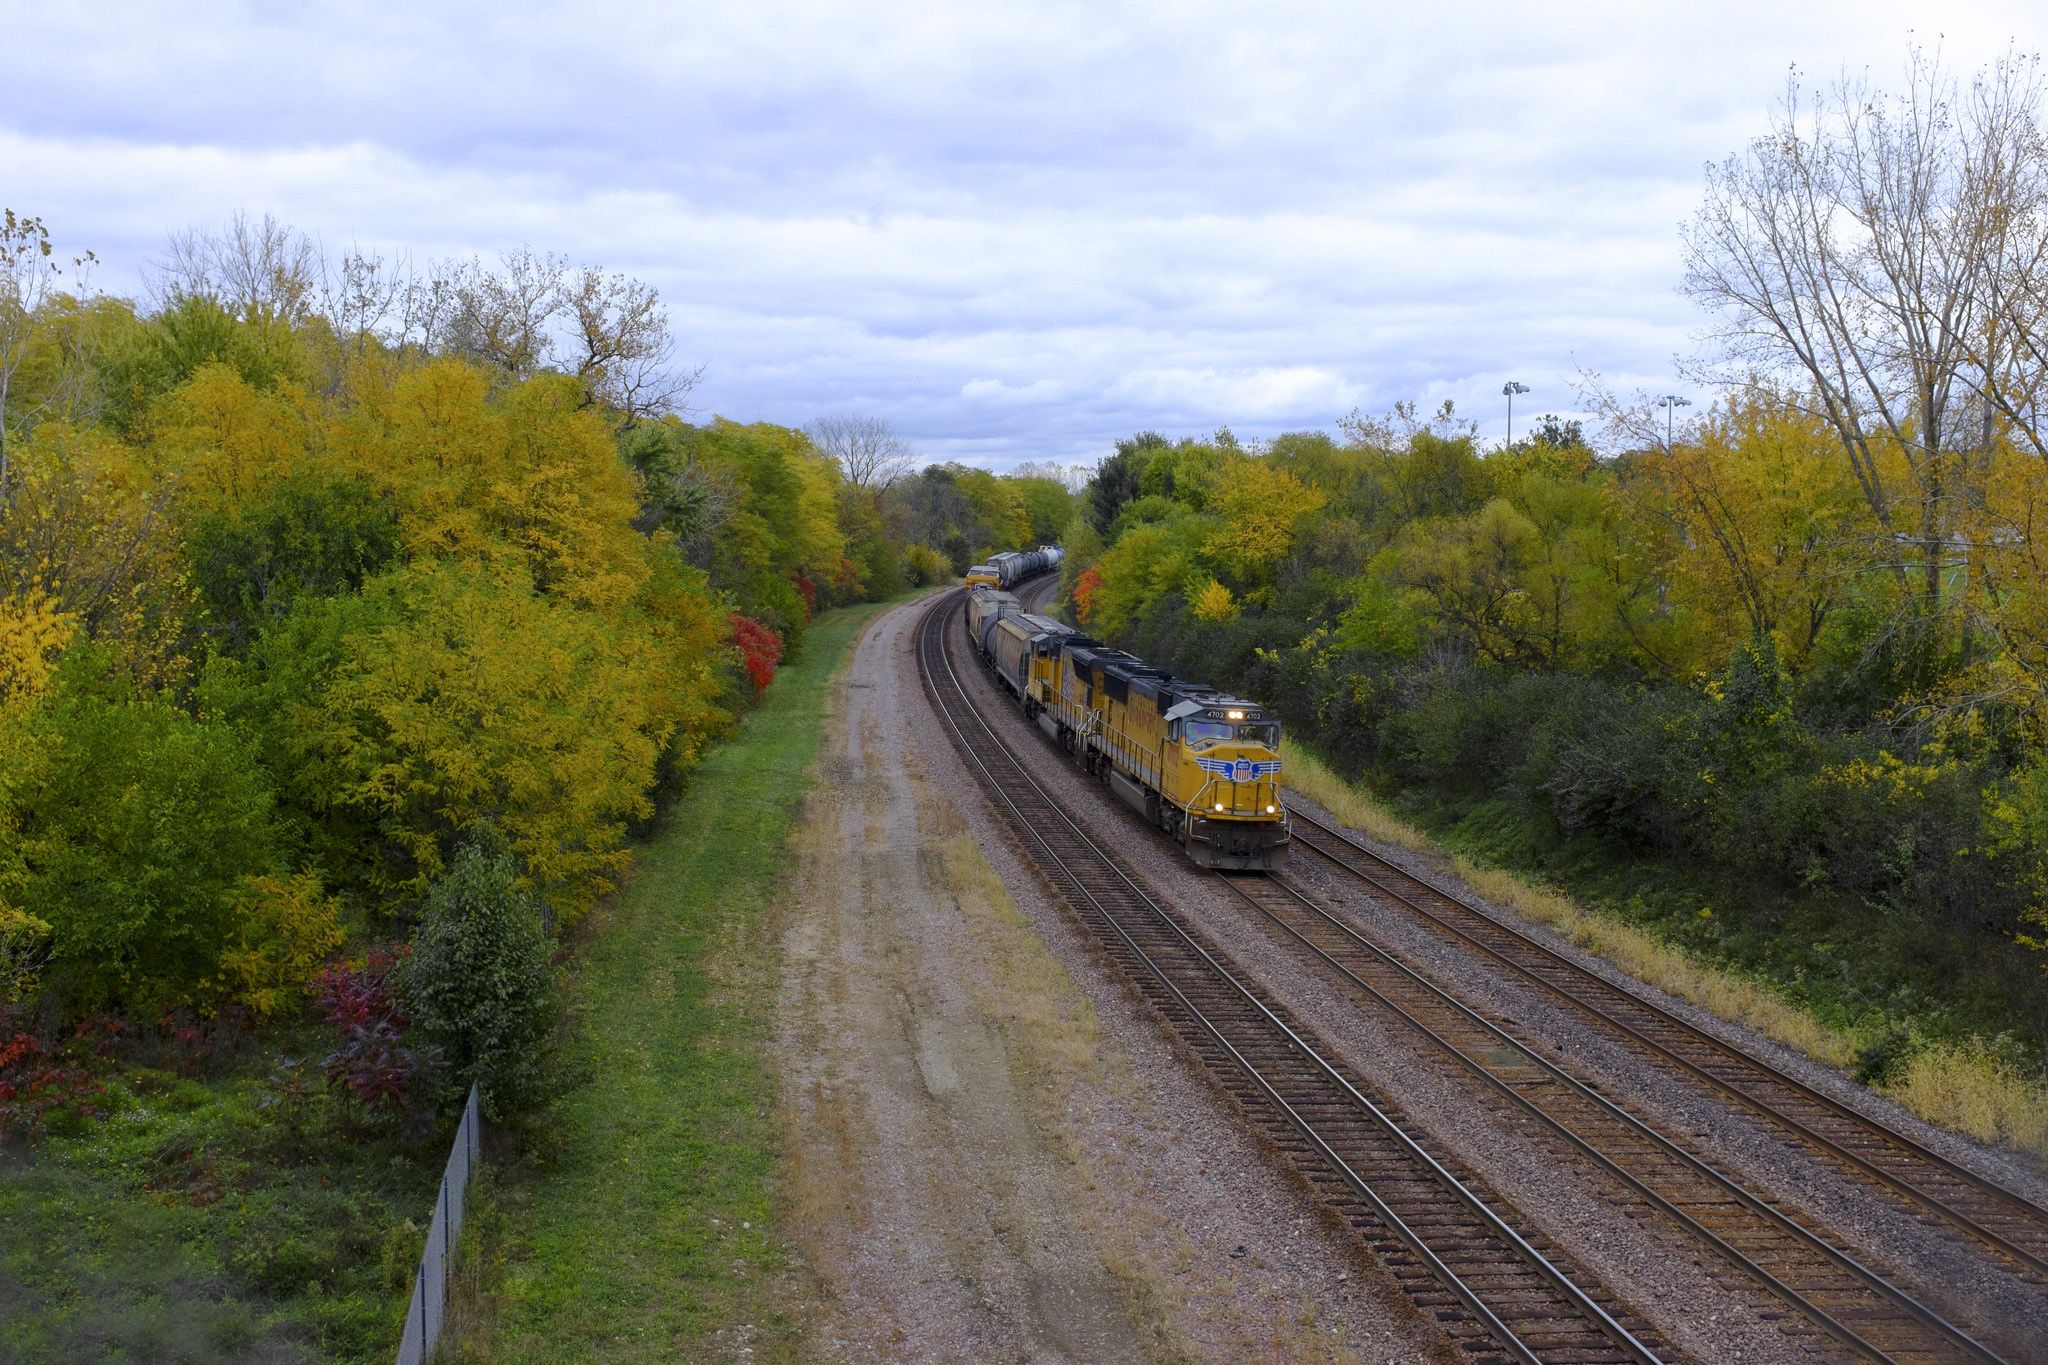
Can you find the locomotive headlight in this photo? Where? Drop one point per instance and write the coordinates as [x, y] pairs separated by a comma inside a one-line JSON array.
[[1234, 715], [1272, 810], [1219, 805]]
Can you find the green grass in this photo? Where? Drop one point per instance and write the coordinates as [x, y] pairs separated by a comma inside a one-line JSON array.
[[188, 1223], [637, 1220]]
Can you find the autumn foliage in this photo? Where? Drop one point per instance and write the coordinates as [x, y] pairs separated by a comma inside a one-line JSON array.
[[294, 604], [1087, 588], [1696, 662], [760, 650], [285, 625]]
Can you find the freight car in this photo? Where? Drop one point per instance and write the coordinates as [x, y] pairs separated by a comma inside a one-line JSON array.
[[1202, 765], [985, 606], [1012, 567]]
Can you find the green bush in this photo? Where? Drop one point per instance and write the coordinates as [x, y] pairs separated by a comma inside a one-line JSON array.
[[143, 823], [307, 536], [479, 982]]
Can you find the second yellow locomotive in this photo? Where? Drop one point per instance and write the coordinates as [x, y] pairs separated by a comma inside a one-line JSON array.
[[1202, 765]]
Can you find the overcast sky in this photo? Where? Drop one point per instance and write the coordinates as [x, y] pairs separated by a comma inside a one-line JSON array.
[[1015, 231]]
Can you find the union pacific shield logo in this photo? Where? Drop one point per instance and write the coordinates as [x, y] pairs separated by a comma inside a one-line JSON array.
[[1239, 770]]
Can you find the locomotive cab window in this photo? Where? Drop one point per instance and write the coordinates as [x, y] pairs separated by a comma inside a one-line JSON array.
[[1200, 734]]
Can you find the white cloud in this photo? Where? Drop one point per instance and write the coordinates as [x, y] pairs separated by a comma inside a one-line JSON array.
[[1016, 231]]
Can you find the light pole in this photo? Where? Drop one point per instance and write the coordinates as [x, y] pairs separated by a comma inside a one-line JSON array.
[[1671, 403], [1510, 389]]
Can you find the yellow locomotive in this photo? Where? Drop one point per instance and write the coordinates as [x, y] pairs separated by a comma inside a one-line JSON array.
[[1202, 765]]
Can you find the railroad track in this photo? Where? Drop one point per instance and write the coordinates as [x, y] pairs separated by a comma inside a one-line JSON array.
[[1768, 1249], [1929, 1185], [1497, 1287]]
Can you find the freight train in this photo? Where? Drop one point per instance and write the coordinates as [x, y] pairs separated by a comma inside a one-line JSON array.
[[1008, 569], [1202, 765]]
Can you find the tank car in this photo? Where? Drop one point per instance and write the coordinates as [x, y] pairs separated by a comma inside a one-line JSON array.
[[1011, 567]]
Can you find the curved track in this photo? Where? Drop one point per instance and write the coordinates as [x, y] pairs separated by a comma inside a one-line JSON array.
[[1499, 1288], [1904, 1171]]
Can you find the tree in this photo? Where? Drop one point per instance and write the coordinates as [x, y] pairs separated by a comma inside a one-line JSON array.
[[621, 349], [29, 271], [479, 981], [869, 453], [535, 311], [1762, 516], [137, 837], [1048, 506], [1866, 247], [1259, 507], [1117, 478], [305, 535], [256, 270], [499, 318]]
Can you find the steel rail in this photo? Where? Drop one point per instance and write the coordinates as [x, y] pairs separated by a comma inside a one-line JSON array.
[[931, 644], [1252, 891], [2011, 1203]]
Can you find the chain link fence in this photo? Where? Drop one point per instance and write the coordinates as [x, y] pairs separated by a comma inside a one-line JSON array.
[[429, 1304]]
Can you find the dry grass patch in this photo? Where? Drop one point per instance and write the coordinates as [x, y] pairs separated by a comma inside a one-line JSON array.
[[1308, 775], [1969, 1087], [1965, 1086], [1670, 971]]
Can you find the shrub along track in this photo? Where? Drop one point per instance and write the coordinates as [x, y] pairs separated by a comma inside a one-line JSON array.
[[1498, 1287], [1777, 1254], [1927, 1185]]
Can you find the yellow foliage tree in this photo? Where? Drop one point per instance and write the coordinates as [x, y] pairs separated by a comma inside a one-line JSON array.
[[32, 635], [1146, 563], [1213, 602], [1259, 507], [1769, 529], [33, 632], [523, 473], [458, 696], [220, 442], [88, 530], [285, 931]]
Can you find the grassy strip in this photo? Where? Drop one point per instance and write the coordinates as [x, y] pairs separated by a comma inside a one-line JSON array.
[[638, 1221], [1963, 1084]]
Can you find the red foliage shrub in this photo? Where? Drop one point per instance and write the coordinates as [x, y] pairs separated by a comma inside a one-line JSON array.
[[1085, 588], [372, 1062], [760, 649], [807, 590], [39, 1079]]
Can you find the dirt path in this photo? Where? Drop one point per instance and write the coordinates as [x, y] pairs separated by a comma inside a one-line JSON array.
[[994, 1153]]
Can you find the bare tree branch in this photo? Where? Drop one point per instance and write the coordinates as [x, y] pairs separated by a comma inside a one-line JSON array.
[[869, 452], [1884, 253], [30, 268]]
